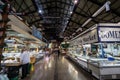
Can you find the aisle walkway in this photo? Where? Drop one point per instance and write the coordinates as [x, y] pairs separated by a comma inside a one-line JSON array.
[[58, 69]]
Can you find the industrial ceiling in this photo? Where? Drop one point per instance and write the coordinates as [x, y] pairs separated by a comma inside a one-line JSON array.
[[65, 18]]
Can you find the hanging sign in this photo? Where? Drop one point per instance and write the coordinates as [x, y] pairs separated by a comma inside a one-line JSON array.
[[109, 34]]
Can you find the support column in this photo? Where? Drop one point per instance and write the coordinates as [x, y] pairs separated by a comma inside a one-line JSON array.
[[3, 23]]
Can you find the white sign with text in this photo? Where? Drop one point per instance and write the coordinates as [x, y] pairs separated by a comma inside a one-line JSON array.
[[109, 34], [90, 37]]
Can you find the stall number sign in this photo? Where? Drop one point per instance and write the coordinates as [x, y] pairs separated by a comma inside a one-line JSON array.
[[109, 34]]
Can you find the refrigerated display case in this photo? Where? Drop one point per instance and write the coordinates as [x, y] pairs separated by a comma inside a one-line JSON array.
[[104, 69], [102, 57], [83, 61]]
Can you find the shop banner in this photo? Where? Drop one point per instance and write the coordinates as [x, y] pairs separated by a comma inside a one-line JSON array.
[[109, 34], [77, 41], [90, 37]]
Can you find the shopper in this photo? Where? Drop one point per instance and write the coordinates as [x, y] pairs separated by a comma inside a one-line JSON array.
[[57, 51], [44, 52], [47, 52], [25, 60]]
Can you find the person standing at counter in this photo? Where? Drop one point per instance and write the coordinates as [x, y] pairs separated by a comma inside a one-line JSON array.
[[25, 60]]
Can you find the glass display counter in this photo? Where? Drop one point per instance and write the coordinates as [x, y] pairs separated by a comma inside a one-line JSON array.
[[104, 69], [72, 57], [101, 68], [82, 60]]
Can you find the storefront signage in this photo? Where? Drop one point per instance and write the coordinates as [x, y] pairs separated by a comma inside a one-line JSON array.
[[90, 37], [108, 34]]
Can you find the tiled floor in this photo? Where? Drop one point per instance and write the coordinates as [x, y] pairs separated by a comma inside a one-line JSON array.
[[53, 68]]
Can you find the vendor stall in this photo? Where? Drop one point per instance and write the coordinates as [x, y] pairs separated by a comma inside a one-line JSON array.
[[100, 48]]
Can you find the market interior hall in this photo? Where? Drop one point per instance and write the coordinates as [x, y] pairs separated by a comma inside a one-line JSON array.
[[59, 39]]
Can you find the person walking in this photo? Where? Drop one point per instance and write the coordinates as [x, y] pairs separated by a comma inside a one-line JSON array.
[[57, 51], [25, 60]]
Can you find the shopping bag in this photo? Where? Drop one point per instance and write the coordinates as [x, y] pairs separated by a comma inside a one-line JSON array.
[[29, 68], [32, 67]]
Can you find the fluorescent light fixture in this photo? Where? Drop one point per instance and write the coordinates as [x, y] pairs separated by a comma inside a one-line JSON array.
[[80, 29], [92, 28], [73, 34], [70, 12], [13, 9], [86, 22], [75, 1], [40, 11], [19, 17], [105, 6]]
